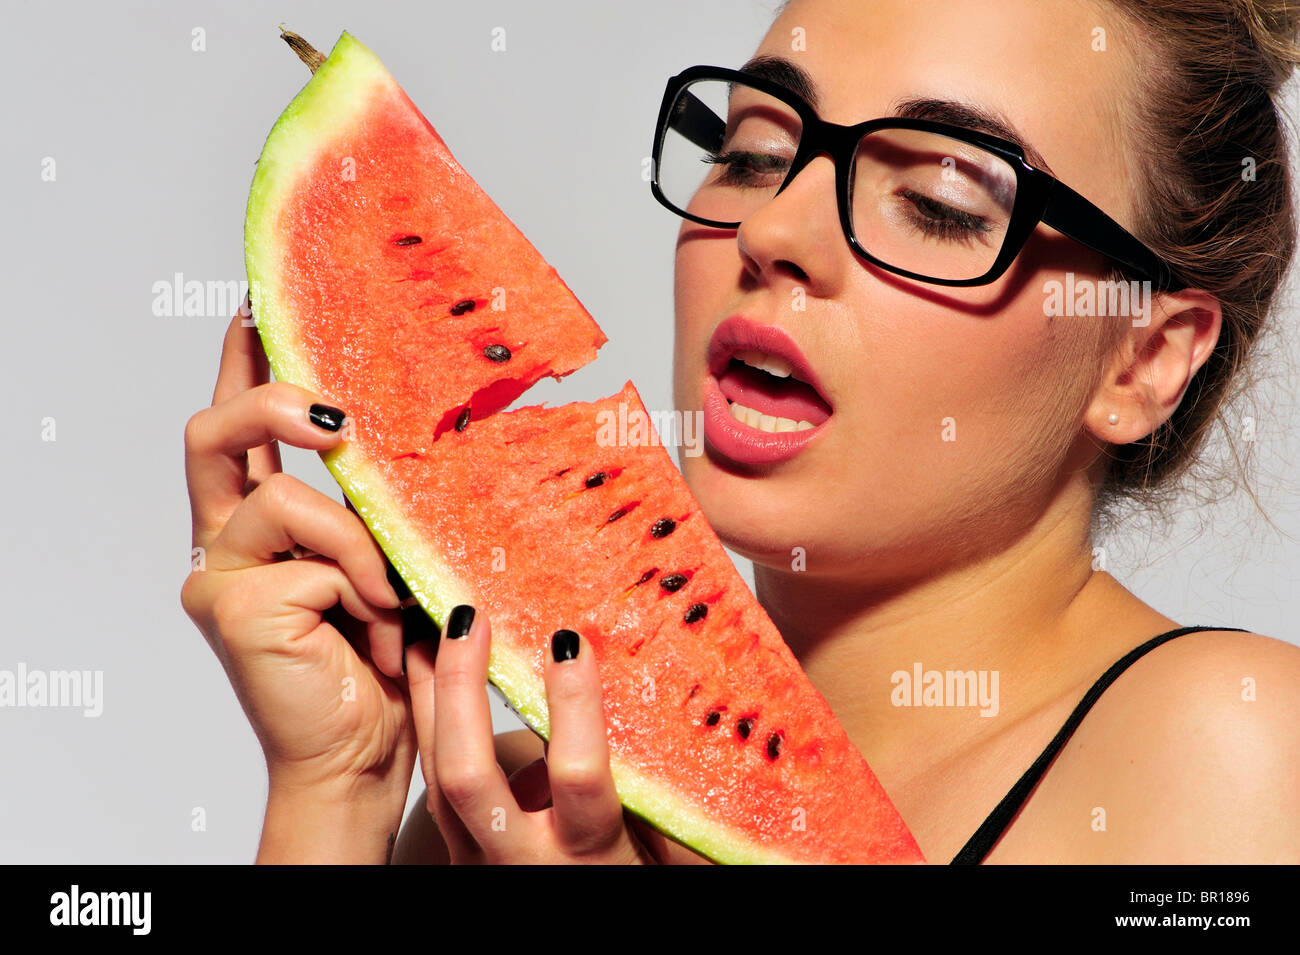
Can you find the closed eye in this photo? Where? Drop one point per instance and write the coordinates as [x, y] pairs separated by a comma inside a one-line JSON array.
[[934, 218], [748, 168]]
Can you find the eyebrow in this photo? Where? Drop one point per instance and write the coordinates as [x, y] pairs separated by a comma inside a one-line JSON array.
[[782, 72], [797, 80], [971, 116]]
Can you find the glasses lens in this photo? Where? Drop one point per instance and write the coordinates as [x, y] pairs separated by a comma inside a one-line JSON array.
[[726, 150], [930, 204]]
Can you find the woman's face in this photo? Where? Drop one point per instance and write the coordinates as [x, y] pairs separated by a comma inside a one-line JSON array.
[[954, 413]]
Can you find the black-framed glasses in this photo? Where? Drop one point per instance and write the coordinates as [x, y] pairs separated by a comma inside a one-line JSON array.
[[927, 200]]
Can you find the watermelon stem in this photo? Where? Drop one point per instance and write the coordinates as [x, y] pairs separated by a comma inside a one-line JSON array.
[[306, 52]]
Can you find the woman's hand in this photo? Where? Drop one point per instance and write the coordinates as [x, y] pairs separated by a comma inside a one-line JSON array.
[[329, 709], [563, 808]]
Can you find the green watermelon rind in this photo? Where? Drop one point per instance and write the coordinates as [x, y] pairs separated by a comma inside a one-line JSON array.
[[338, 91], [347, 79], [511, 673]]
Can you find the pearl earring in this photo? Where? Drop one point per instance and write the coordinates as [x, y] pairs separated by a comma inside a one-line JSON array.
[[1114, 418]]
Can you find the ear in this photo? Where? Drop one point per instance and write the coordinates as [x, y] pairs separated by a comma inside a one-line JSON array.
[[1152, 365]]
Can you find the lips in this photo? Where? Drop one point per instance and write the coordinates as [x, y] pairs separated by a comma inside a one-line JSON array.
[[736, 335], [763, 401]]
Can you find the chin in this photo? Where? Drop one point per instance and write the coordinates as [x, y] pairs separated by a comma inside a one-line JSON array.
[[750, 515]]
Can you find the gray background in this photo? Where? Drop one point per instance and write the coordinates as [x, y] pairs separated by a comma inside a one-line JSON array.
[[155, 145]]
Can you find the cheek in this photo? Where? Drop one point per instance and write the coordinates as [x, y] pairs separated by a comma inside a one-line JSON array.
[[703, 276], [959, 413], [1006, 394]]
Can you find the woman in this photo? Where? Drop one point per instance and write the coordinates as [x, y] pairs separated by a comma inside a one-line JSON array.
[[966, 437]]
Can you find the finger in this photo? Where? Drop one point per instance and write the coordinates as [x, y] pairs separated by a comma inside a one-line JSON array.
[[243, 360], [244, 366], [280, 603], [421, 620], [420, 657], [366, 635], [283, 513], [464, 754], [311, 582], [218, 440], [588, 815]]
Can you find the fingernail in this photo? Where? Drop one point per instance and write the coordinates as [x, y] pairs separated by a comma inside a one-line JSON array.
[[396, 582], [401, 593], [325, 416], [564, 645], [396, 598], [417, 627], [458, 623]]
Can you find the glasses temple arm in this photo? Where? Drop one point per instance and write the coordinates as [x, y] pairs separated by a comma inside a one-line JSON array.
[[1071, 214], [697, 122]]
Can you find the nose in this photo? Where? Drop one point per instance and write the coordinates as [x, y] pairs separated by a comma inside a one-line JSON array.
[[796, 235]]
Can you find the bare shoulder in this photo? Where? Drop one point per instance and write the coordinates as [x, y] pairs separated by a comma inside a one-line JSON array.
[[1192, 755], [419, 842], [1218, 685]]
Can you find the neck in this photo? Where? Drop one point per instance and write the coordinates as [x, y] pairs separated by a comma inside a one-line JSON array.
[[1033, 612]]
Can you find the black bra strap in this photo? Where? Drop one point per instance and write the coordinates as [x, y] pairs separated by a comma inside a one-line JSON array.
[[987, 835]]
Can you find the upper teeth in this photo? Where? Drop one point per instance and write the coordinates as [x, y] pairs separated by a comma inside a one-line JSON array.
[[771, 364]]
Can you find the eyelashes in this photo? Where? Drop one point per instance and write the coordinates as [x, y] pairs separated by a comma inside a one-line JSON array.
[[939, 219], [930, 217]]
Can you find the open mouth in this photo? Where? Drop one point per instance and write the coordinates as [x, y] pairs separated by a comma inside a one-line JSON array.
[[763, 392], [763, 403], [768, 383]]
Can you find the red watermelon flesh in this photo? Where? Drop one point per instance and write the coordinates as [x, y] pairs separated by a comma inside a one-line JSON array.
[[534, 516], [707, 709], [372, 228]]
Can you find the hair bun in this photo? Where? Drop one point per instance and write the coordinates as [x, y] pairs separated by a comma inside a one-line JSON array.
[[1274, 25]]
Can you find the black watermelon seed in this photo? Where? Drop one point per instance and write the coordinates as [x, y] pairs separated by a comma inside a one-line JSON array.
[[597, 479], [663, 527], [409, 240], [673, 583], [646, 576], [562, 472], [697, 612], [462, 420], [463, 306], [695, 689], [774, 746], [497, 353], [712, 718], [617, 514], [745, 727]]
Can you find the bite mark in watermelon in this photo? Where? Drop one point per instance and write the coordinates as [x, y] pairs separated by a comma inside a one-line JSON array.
[[385, 279]]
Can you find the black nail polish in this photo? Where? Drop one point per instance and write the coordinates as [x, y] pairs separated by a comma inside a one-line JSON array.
[[418, 627], [326, 416], [564, 645], [458, 623], [394, 578]]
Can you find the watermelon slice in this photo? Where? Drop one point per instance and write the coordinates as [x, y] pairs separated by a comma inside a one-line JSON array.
[[386, 280]]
